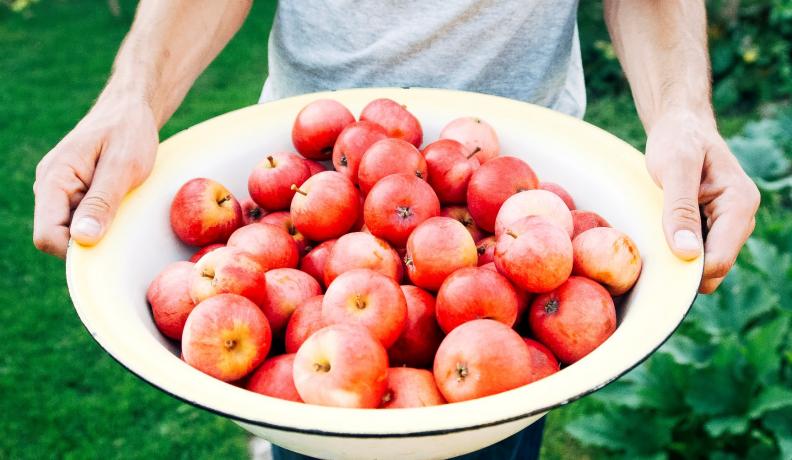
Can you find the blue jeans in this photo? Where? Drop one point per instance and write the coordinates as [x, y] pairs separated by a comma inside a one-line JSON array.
[[520, 446]]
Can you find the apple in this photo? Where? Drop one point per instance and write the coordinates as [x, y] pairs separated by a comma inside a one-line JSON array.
[[228, 270], [534, 203], [361, 250], [204, 250], [269, 184], [396, 205], [437, 248], [543, 360], [475, 293], [450, 168], [317, 126], [204, 212], [342, 365], [283, 220], [418, 342], [478, 137], [534, 254], [386, 157], [352, 143], [608, 256], [286, 289], [314, 167], [370, 299], [560, 191], [325, 206], [585, 220], [485, 248], [226, 336], [409, 387], [169, 297], [394, 117], [306, 319], [251, 212], [524, 298], [574, 319], [492, 183], [314, 262], [360, 223], [275, 378], [481, 358], [271, 246], [461, 214]]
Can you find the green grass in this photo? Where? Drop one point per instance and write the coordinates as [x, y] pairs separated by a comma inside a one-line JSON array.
[[61, 395]]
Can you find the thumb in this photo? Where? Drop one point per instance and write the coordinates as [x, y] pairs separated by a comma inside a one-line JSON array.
[[96, 210], [681, 217]]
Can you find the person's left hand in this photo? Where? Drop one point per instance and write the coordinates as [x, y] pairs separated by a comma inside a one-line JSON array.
[[690, 161]]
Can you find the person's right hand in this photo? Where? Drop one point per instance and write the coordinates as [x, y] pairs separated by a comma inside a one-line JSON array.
[[80, 183]]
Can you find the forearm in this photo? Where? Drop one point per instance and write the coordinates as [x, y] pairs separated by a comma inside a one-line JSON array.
[[662, 47], [170, 43]]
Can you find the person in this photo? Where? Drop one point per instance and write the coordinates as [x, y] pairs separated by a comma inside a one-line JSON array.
[[526, 50]]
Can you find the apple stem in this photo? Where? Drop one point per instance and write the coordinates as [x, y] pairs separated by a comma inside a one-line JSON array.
[[322, 367], [297, 189], [224, 199], [271, 161], [359, 303], [477, 150], [511, 233]]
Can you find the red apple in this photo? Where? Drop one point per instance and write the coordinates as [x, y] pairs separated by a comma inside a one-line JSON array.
[[585, 220], [271, 246], [365, 297], [437, 248], [361, 250], [169, 297], [544, 362], [461, 214], [486, 250], [386, 157], [314, 262], [560, 191], [475, 293], [397, 205], [314, 167], [228, 270], [421, 336], [204, 212], [608, 256], [574, 319], [226, 336], [283, 220], [481, 358], [524, 298], [494, 182], [342, 365], [317, 126], [204, 250], [251, 212], [325, 206], [478, 137], [360, 223], [275, 378], [409, 387], [450, 168], [269, 184], [352, 143], [305, 320], [286, 289], [394, 117], [534, 203], [534, 254]]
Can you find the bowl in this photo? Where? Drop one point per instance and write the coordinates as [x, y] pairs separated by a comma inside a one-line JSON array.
[[108, 282]]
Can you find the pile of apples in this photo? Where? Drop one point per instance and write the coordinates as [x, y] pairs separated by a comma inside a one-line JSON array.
[[402, 278]]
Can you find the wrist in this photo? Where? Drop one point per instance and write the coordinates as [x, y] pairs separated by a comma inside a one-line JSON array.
[[701, 117]]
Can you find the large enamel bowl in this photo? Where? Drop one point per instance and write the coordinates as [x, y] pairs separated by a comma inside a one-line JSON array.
[[108, 282]]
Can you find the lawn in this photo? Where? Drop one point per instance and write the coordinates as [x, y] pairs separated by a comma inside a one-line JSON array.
[[62, 396]]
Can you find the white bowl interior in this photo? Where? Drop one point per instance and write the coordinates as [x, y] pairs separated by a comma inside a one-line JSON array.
[[108, 282]]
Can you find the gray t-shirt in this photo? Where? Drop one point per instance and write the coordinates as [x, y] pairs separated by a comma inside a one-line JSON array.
[[527, 50]]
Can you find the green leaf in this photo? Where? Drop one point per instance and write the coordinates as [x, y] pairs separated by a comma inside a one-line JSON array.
[[731, 425], [760, 156], [778, 424], [684, 350], [771, 398], [771, 263], [661, 384], [722, 387], [637, 433], [762, 345], [621, 393]]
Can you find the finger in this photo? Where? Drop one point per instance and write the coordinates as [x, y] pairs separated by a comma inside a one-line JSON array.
[[725, 239], [681, 218], [96, 210], [51, 217], [708, 286]]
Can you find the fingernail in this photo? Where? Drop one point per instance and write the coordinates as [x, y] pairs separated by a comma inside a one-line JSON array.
[[87, 226], [685, 240]]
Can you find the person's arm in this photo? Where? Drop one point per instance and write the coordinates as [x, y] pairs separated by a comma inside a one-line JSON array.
[[662, 47], [81, 181]]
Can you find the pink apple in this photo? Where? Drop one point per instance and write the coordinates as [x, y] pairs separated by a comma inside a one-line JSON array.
[[449, 169], [271, 246], [409, 387], [314, 166], [251, 212], [486, 250], [169, 297], [317, 126], [398, 122], [437, 248], [461, 214], [607, 256], [361, 250], [421, 336], [283, 220], [534, 203], [269, 184], [286, 289], [386, 157], [543, 361], [475, 293], [314, 262], [228, 270], [352, 143], [203, 251], [494, 182], [204, 212], [478, 137], [305, 320], [325, 206], [585, 220], [275, 378], [397, 205], [560, 191]]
